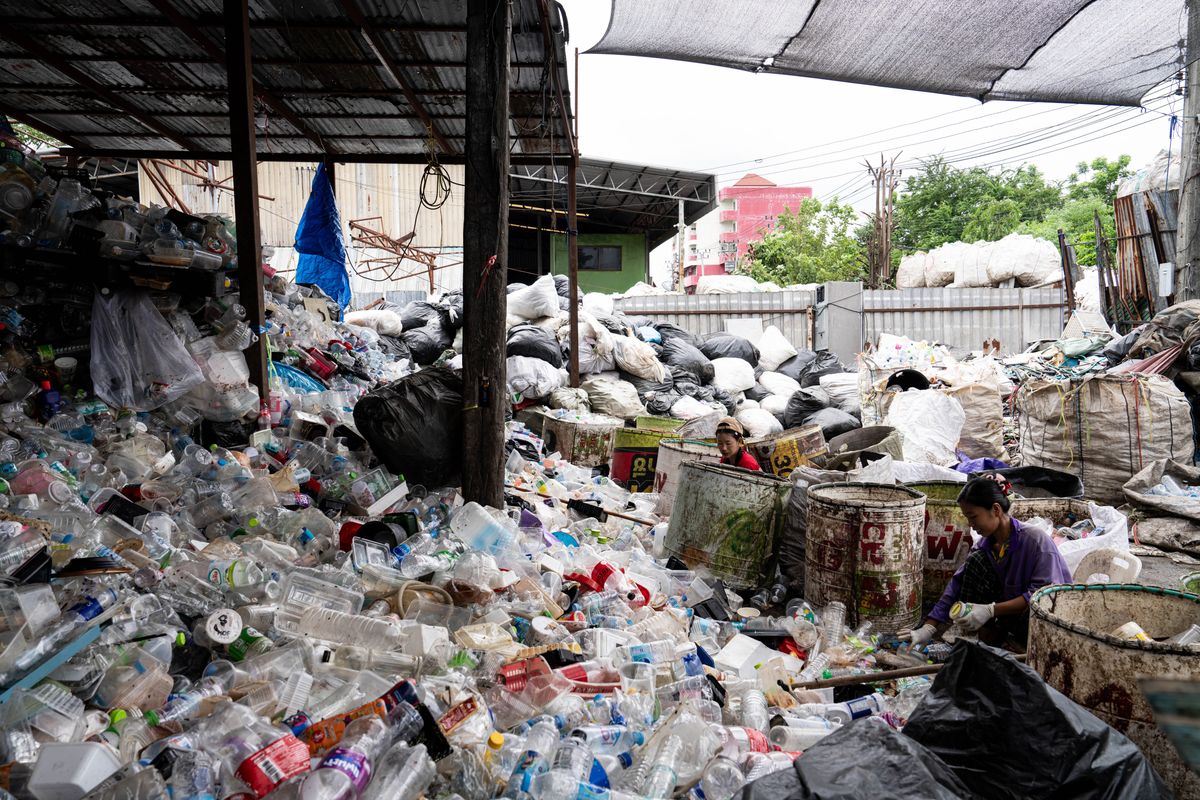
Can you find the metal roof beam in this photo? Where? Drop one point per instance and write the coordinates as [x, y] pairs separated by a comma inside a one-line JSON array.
[[84, 80], [217, 54], [86, 151], [264, 62], [393, 70], [65, 137], [331, 94], [676, 197]]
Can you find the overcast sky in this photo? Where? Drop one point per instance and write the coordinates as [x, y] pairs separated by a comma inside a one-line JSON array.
[[806, 132]]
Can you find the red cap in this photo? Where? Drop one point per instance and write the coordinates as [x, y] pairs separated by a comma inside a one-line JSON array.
[[46, 385]]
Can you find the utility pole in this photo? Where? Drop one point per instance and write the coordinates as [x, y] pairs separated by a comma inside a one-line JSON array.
[[1187, 238], [885, 178], [485, 250]]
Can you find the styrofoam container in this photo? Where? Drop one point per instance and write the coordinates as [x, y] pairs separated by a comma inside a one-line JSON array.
[[70, 771]]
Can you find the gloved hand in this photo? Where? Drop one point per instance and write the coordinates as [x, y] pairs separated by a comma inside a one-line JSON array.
[[919, 636], [979, 616]]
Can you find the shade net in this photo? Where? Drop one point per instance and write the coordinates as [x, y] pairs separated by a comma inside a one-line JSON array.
[[1072, 51]]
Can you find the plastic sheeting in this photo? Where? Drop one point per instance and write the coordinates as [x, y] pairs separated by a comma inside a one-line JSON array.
[[1076, 51], [319, 242]]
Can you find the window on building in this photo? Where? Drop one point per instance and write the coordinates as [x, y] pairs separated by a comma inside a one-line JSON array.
[[600, 258]]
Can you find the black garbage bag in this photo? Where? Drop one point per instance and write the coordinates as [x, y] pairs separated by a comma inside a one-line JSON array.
[[659, 403], [419, 313], [669, 331], [535, 342], [1042, 482], [724, 398], [428, 342], [1006, 734], [867, 758], [615, 324], [803, 404], [833, 422], [394, 346], [679, 354], [826, 363], [638, 322], [644, 386], [705, 393], [756, 393], [414, 426], [726, 345], [797, 365], [687, 388], [562, 285], [452, 301]]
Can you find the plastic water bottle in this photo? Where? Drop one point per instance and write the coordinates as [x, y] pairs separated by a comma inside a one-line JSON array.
[[754, 710], [533, 762], [793, 738], [404, 773], [722, 779], [332, 625], [833, 622], [345, 771], [74, 621], [814, 668], [608, 738], [571, 765], [480, 530], [663, 776]]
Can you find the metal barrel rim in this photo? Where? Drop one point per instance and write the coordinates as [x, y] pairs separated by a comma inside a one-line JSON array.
[[913, 497], [1048, 615]]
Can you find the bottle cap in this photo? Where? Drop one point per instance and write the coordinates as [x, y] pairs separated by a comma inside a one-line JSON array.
[[45, 384], [223, 626], [496, 740]]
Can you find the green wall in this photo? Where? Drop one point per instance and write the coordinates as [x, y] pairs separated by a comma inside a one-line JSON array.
[[633, 257]]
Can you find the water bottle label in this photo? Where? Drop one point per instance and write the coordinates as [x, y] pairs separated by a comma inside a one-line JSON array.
[[241, 646], [90, 607], [862, 707], [284, 758], [527, 771], [640, 653], [588, 791], [354, 765]]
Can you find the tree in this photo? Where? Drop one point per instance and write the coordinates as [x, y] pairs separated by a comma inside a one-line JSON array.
[[31, 137], [811, 245], [1077, 220], [1098, 179]]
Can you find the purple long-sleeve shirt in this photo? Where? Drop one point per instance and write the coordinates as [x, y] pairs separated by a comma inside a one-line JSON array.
[[1032, 561]]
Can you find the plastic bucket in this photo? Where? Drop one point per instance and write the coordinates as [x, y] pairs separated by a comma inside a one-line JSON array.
[[726, 520], [672, 455], [635, 454], [585, 443], [1073, 647], [780, 453], [865, 548], [947, 537], [844, 449]]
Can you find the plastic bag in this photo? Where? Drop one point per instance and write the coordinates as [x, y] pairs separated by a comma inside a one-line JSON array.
[[644, 386], [532, 378], [638, 358], [137, 360], [825, 363], [1139, 486], [598, 304], [726, 345], [1006, 734], [428, 342], [1115, 536], [669, 331], [758, 423], [776, 405], [690, 408], [570, 399], [931, 424], [802, 404], [832, 422], [797, 366], [380, 320], [534, 342], [679, 354], [615, 398], [414, 426], [733, 374], [774, 348], [757, 392], [539, 299], [778, 383]]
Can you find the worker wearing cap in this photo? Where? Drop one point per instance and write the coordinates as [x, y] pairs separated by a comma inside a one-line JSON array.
[[732, 447]]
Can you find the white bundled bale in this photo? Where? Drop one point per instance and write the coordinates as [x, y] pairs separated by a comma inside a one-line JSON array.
[[911, 272], [732, 374], [759, 423], [778, 383], [638, 358], [539, 299], [1028, 260]]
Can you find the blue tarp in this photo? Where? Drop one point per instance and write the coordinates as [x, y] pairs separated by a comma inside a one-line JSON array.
[[319, 242]]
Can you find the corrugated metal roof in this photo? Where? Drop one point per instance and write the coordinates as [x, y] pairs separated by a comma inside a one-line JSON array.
[[76, 69]]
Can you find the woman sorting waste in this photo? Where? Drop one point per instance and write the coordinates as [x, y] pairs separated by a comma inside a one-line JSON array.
[[732, 447], [989, 594]]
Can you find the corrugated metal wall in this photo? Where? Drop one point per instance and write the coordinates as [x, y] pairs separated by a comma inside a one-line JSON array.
[[706, 313], [388, 191], [960, 318], [964, 318]]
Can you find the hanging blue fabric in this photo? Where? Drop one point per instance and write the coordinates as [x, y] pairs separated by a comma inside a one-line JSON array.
[[319, 242]]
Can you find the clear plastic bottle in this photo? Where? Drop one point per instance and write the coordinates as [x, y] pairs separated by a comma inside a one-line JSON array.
[[608, 738], [796, 738], [533, 762], [331, 625], [754, 710], [722, 779], [404, 773], [656, 652], [663, 776], [815, 667], [73, 622], [187, 705], [570, 766], [833, 623], [345, 771]]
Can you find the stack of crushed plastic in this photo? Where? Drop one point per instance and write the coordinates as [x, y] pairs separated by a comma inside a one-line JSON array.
[[286, 620]]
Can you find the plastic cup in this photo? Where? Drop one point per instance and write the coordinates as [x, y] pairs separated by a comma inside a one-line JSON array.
[[637, 677], [66, 366]]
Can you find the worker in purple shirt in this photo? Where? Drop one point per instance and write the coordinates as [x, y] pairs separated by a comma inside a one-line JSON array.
[[1010, 563]]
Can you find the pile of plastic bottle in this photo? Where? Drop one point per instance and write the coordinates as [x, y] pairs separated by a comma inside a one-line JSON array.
[[286, 620]]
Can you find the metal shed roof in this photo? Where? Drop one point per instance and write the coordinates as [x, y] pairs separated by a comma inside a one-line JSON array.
[[364, 79], [616, 196]]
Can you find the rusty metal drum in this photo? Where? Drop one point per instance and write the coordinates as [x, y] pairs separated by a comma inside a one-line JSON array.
[[584, 442], [1072, 645], [672, 455], [866, 545], [947, 538], [726, 520]]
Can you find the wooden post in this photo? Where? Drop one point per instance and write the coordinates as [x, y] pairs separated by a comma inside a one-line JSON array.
[[1187, 257], [485, 250], [573, 267], [1068, 273], [245, 180]]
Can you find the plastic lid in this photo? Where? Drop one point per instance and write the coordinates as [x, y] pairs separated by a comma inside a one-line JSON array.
[[45, 384], [496, 740]]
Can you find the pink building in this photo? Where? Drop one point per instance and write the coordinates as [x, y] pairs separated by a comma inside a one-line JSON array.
[[747, 212]]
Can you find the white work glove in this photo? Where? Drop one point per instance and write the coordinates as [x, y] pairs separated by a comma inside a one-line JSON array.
[[979, 616], [919, 636]]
